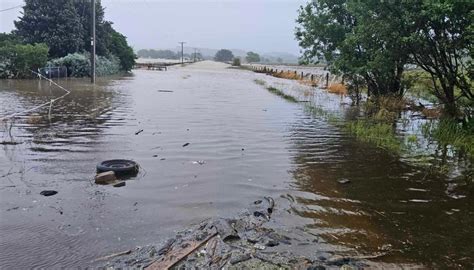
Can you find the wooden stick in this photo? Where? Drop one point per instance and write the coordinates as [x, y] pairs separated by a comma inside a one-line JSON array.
[[127, 252], [175, 256]]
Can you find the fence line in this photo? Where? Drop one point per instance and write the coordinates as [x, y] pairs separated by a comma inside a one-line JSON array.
[[49, 103]]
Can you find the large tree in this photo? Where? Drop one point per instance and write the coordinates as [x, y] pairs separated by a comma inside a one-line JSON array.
[[53, 22], [441, 43], [357, 39], [252, 57], [224, 56], [65, 26], [373, 41], [117, 45], [84, 9]]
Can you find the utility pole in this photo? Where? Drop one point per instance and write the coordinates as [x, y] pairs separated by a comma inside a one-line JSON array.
[[182, 51], [93, 43]]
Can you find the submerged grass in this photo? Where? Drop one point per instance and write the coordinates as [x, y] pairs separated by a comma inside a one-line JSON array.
[[276, 91], [280, 93], [378, 133], [449, 132], [259, 82]]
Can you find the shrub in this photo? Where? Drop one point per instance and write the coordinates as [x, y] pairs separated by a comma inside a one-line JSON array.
[[107, 66], [78, 64], [16, 60], [236, 62]]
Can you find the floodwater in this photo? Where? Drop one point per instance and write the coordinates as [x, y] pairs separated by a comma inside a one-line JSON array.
[[244, 143]]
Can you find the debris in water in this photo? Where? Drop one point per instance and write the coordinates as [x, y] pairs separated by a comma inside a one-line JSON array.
[[344, 181], [119, 184], [186, 144], [200, 162], [138, 132], [243, 242], [48, 192], [114, 255], [239, 259], [119, 166], [166, 91], [155, 155], [105, 178]]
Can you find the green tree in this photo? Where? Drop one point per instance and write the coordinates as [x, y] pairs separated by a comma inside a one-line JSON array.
[[53, 22], [84, 9], [252, 57], [17, 60], [357, 40], [118, 46], [224, 56], [441, 43], [65, 26]]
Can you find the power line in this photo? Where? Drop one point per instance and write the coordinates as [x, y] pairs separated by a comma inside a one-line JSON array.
[[19, 6]]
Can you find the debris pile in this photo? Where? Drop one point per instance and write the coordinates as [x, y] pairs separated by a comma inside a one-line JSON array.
[[234, 243]]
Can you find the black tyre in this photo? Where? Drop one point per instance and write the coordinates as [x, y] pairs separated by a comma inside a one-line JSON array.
[[119, 166]]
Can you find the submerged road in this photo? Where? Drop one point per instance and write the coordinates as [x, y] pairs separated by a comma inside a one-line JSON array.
[[244, 143]]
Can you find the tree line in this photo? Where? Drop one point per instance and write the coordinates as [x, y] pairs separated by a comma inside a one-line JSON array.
[[372, 43], [64, 27]]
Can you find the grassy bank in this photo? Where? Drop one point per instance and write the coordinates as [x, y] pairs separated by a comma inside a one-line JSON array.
[[379, 122]]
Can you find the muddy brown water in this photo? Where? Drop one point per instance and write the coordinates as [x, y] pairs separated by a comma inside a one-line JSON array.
[[252, 144]]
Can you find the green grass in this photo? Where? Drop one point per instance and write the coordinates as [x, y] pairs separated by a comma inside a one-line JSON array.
[[281, 94], [380, 134], [276, 91], [449, 132]]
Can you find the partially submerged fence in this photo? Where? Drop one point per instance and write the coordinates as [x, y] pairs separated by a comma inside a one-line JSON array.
[[53, 72], [49, 103], [322, 80]]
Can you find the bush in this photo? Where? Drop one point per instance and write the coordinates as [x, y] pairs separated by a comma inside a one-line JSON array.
[[16, 60], [107, 66], [78, 64], [236, 62]]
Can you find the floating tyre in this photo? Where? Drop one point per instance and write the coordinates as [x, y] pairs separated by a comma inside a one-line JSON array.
[[118, 166]]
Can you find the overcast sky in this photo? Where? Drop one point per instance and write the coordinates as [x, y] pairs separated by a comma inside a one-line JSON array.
[[260, 25]]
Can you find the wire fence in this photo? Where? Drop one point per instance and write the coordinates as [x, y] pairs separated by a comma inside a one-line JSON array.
[[49, 103]]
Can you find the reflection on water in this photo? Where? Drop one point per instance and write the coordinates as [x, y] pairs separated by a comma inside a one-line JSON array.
[[252, 143], [387, 205]]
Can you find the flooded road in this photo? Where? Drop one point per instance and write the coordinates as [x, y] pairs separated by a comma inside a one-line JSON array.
[[244, 143]]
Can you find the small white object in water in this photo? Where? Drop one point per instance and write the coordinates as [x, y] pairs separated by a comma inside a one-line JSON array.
[[200, 162]]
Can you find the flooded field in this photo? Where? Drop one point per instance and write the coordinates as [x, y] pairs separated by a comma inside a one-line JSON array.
[[244, 143]]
